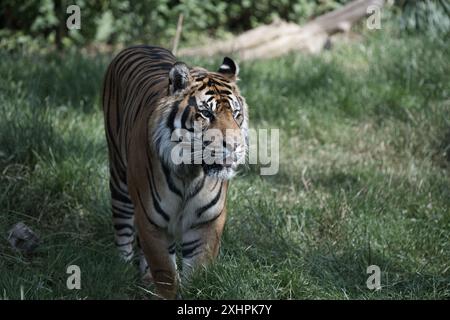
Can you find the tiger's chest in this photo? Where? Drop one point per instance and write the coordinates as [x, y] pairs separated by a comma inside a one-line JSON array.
[[187, 205]]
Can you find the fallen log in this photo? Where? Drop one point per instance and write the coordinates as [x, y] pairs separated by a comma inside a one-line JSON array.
[[282, 37]]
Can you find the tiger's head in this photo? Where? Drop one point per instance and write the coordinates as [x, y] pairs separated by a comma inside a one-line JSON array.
[[205, 121]]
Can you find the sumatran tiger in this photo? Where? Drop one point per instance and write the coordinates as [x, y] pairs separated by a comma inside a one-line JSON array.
[[160, 204]]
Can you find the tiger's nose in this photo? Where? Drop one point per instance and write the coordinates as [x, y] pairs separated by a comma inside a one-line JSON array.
[[229, 148], [229, 154]]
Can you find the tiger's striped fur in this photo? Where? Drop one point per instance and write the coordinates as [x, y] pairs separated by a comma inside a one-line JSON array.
[[147, 95]]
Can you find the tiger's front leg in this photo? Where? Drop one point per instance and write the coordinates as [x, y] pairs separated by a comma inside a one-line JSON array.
[[201, 244], [157, 247]]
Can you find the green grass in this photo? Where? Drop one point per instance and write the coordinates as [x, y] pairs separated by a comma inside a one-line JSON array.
[[364, 178]]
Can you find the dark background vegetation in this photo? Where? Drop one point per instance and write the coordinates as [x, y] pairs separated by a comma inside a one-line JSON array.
[[364, 141], [42, 22]]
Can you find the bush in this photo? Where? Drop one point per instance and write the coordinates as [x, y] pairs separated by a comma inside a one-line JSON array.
[[39, 23], [431, 16], [151, 21]]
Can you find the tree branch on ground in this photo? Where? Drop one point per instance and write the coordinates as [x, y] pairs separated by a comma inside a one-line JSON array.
[[282, 37]]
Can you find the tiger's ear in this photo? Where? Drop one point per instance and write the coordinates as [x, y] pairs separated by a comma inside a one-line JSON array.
[[179, 77], [229, 68]]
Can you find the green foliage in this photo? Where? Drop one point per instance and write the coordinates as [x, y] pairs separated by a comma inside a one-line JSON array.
[[151, 21], [364, 171], [430, 16], [33, 24]]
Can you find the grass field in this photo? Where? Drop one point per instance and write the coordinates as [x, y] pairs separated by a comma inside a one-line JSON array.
[[364, 178]]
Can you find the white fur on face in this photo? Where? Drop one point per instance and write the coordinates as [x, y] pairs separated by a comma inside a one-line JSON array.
[[165, 141]]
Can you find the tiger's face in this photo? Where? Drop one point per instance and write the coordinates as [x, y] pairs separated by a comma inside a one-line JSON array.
[[206, 121]]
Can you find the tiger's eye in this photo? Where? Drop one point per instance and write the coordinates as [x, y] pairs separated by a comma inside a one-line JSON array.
[[206, 113], [238, 117]]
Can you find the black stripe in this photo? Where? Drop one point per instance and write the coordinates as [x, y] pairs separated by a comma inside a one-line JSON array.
[[198, 187], [158, 143], [185, 115], [213, 202], [171, 118], [225, 92], [125, 234], [116, 195], [128, 205], [201, 224], [120, 226], [187, 253], [189, 243], [147, 102], [146, 213], [152, 185], [156, 204], [122, 244], [222, 83], [128, 212], [160, 210], [121, 215], [215, 185], [171, 248], [127, 254], [192, 102], [169, 181], [117, 171], [138, 241]]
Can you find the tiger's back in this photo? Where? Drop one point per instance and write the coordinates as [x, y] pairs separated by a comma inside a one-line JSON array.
[[135, 80]]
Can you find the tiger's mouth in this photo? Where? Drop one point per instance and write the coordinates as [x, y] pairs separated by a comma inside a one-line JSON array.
[[223, 171]]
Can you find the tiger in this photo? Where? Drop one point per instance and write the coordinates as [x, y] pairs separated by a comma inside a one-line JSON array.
[[162, 208]]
